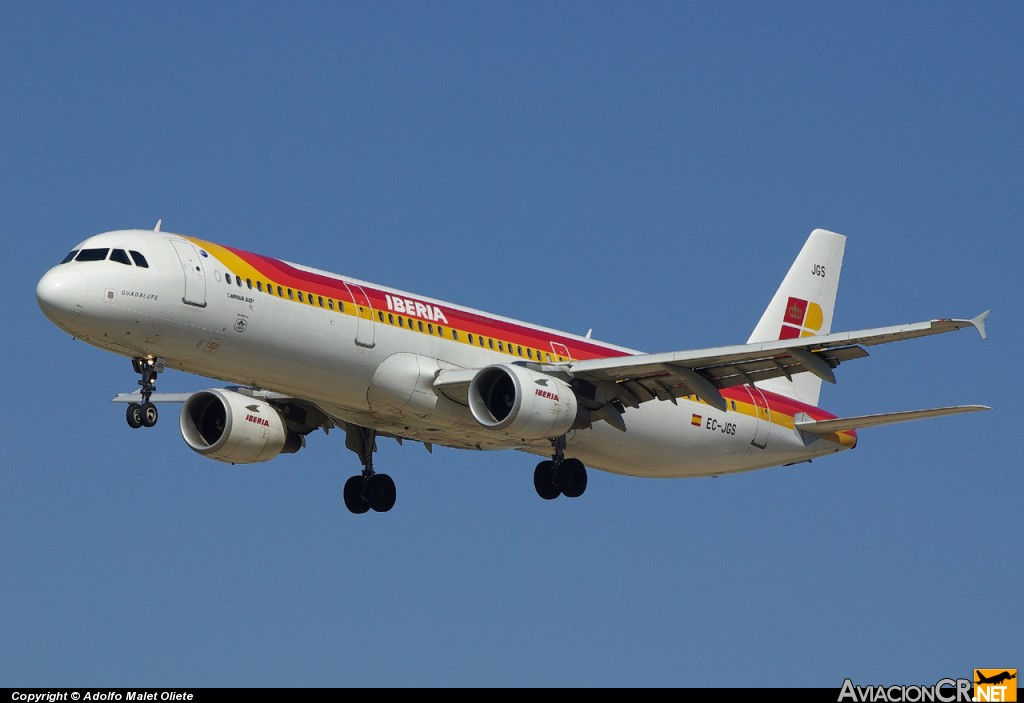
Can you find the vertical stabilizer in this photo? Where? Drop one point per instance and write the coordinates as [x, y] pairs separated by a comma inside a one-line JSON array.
[[803, 307]]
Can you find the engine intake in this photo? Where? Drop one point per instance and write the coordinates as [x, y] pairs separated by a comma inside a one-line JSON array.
[[235, 428], [518, 402]]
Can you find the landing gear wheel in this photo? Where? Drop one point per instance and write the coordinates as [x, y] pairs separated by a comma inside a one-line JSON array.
[[544, 480], [149, 414], [353, 493], [133, 414], [572, 474], [380, 492]]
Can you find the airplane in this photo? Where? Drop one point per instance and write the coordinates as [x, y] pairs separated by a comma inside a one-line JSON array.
[[305, 349], [997, 678]]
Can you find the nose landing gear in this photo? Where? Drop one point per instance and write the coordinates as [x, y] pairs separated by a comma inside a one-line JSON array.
[[145, 414]]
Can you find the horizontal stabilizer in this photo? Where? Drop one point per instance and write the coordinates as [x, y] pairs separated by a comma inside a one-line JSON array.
[[840, 424]]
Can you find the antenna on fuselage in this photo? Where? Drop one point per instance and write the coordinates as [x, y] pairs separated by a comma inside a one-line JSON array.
[[158, 223]]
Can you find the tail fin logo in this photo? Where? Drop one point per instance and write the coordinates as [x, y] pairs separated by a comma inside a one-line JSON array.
[[995, 685], [802, 319]]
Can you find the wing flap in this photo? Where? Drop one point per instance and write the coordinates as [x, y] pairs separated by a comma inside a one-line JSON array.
[[821, 427]]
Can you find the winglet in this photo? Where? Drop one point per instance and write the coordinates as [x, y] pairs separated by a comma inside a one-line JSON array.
[[979, 323]]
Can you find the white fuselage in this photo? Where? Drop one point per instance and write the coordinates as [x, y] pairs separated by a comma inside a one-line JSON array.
[[369, 356]]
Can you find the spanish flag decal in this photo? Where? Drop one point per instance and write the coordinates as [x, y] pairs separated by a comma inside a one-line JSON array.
[[695, 420]]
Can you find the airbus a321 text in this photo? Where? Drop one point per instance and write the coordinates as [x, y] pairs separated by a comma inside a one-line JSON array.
[[304, 349]]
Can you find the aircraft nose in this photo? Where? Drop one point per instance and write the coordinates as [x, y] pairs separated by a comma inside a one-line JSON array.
[[60, 293]]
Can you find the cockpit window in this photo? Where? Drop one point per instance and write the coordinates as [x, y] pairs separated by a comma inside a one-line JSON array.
[[92, 255], [70, 256], [120, 256], [140, 260]]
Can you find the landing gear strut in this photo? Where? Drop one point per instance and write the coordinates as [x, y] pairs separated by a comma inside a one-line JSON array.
[[367, 490], [560, 476], [145, 414]]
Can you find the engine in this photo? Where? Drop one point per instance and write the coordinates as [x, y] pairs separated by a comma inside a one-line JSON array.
[[518, 402], [235, 428]]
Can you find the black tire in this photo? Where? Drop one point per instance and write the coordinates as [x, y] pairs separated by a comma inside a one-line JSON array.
[[544, 480], [353, 494], [149, 415], [573, 476], [381, 493], [133, 414]]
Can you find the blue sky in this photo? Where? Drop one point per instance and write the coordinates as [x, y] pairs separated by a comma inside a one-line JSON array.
[[648, 171]]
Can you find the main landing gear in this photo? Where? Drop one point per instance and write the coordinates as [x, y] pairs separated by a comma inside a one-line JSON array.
[[367, 490], [145, 414], [560, 476]]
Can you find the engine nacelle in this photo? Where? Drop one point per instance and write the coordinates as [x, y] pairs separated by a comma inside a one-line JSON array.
[[235, 428], [518, 402]]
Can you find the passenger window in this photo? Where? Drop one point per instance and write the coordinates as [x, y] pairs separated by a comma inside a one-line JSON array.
[[227, 278], [440, 331], [330, 303], [291, 295], [471, 339], [248, 282], [490, 343], [238, 281], [280, 292], [501, 347], [139, 259], [259, 286], [70, 256], [299, 296], [120, 256], [547, 357], [430, 328], [420, 324], [519, 351], [391, 319], [529, 352], [401, 322], [320, 299], [92, 255], [455, 335]]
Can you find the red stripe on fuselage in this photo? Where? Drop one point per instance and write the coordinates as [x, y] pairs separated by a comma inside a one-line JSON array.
[[284, 274]]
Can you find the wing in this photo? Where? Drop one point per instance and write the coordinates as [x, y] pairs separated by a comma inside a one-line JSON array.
[[636, 379], [305, 416], [136, 396]]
